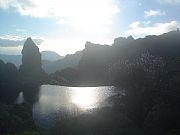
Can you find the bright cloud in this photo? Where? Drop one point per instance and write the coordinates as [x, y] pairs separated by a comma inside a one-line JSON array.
[[90, 20], [15, 41], [134, 25], [153, 13], [155, 29], [62, 46], [65, 46], [83, 15], [13, 44]]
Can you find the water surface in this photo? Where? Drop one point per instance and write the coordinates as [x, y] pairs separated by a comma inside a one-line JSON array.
[[57, 102]]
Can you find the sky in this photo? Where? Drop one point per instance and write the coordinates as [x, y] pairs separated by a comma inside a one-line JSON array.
[[64, 26]]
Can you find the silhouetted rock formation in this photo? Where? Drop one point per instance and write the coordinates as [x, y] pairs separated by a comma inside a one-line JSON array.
[[31, 59], [98, 59], [123, 40]]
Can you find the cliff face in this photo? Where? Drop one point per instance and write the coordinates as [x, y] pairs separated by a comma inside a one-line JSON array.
[[31, 59], [97, 59], [93, 61]]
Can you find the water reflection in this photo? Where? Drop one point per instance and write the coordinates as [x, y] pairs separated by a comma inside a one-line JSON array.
[[56, 102], [20, 98], [84, 97]]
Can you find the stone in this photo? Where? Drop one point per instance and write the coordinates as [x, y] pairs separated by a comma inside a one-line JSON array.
[[31, 59]]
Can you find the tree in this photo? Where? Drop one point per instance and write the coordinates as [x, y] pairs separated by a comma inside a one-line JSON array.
[[143, 79]]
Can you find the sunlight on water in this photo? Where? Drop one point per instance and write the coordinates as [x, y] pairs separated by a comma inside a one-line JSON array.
[[20, 98], [84, 97], [57, 102]]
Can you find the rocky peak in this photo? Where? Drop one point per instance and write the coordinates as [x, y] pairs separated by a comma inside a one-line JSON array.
[[123, 40], [31, 58], [29, 41], [88, 44], [130, 38]]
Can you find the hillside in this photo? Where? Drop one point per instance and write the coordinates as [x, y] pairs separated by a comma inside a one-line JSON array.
[[98, 59], [50, 56], [70, 60], [16, 59]]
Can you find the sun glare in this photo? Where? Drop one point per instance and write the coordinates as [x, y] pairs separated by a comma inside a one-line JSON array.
[[84, 97]]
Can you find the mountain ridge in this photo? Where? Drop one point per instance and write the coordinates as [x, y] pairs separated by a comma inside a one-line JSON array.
[[122, 47]]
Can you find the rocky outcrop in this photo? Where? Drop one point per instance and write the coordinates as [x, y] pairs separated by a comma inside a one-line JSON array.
[[123, 41], [31, 59]]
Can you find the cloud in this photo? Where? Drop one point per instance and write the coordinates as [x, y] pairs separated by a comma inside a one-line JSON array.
[[172, 2], [62, 46], [83, 15], [154, 29], [134, 25], [78, 20], [65, 46], [15, 41], [153, 13]]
